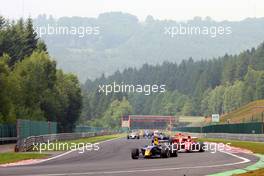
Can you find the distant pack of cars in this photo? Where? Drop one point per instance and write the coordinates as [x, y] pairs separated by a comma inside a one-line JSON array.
[[133, 135], [164, 146], [147, 134]]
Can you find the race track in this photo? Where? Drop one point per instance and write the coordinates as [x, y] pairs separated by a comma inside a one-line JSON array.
[[113, 159]]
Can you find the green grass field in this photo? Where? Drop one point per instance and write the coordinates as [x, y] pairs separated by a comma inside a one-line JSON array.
[[10, 157], [256, 147], [259, 172]]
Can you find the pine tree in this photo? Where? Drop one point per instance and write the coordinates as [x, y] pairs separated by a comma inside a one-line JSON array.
[[31, 39]]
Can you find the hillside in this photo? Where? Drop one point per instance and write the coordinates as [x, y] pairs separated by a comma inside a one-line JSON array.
[[193, 88], [250, 112], [124, 41]]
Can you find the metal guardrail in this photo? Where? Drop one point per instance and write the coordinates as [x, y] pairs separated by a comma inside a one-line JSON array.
[[26, 144], [8, 139], [237, 128], [231, 136]]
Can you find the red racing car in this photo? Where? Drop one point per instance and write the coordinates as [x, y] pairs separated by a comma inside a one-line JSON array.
[[186, 143]]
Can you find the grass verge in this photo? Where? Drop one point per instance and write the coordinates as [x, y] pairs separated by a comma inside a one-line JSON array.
[[259, 172], [256, 147], [10, 157]]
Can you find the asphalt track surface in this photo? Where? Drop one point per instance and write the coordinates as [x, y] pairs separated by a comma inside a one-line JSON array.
[[113, 159]]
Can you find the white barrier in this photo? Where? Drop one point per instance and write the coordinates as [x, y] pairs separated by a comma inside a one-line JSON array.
[[26, 144]]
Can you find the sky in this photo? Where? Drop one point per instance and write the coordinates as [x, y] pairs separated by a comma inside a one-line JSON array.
[[219, 10]]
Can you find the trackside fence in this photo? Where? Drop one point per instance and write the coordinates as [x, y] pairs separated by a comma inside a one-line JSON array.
[[7, 132], [26, 128]]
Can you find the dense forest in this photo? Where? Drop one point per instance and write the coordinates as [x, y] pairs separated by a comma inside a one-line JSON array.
[[203, 87], [31, 85], [124, 41]]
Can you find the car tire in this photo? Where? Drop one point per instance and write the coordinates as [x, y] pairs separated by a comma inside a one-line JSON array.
[[170, 141], [174, 151], [174, 154], [201, 147], [165, 153], [135, 153]]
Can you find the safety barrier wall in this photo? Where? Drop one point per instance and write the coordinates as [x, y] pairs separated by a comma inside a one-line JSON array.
[[189, 129], [26, 144], [82, 129], [231, 136], [240, 128]]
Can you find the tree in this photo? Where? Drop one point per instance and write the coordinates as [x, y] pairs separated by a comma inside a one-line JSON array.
[[31, 86], [250, 80], [2, 22], [69, 101], [233, 96], [260, 87], [41, 46], [17, 39], [33, 80], [30, 38], [187, 108], [115, 111], [6, 106]]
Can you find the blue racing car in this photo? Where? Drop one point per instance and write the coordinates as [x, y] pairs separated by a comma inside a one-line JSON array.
[[158, 149]]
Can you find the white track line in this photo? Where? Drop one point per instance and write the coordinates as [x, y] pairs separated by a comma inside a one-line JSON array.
[[244, 160], [68, 152], [51, 158]]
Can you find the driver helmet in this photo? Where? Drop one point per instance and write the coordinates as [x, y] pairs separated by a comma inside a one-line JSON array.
[[156, 141]]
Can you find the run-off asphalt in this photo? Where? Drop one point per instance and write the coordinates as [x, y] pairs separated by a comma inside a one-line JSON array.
[[114, 158]]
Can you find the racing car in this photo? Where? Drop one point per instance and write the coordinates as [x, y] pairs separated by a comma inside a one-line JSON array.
[[133, 135], [158, 149], [160, 136], [147, 134], [187, 143]]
